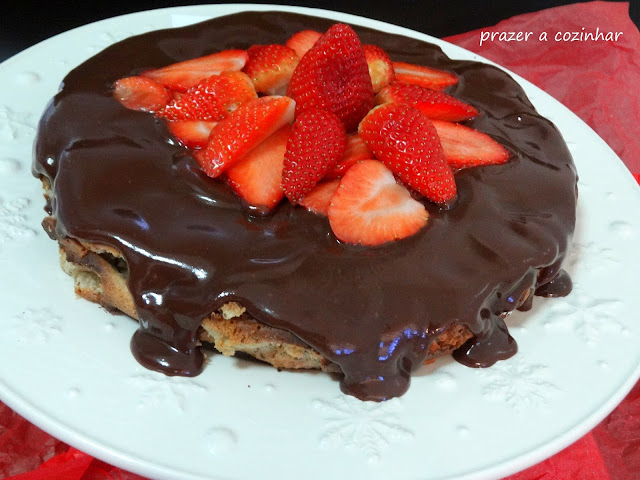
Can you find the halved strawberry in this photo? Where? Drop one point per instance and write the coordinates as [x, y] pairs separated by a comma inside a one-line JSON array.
[[406, 141], [211, 100], [302, 41], [191, 133], [370, 208], [184, 75], [333, 76], [380, 67], [319, 198], [356, 150], [256, 176], [423, 76], [466, 147], [242, 130], [270, 67], [432, 103], [140, 93], [317, 142]]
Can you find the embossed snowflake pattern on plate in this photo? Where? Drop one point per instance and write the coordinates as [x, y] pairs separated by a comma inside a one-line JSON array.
[[591, 318], [167, 392], [65, 364], [13, 220], [519, 384], [365, 426], [15, 125], [36, 326]]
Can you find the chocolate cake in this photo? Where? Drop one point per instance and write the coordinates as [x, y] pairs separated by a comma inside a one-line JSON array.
[[144, 231]]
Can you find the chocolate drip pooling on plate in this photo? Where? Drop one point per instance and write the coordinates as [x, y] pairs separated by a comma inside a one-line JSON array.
[[119, 179]]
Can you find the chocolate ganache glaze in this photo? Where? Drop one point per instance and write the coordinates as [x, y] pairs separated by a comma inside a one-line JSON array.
[[119, 179]]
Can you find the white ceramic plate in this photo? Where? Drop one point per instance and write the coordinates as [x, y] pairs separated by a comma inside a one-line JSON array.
[[65, 364]]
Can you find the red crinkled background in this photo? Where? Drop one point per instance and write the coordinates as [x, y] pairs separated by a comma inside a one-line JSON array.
[[28, 453], [599, 82]]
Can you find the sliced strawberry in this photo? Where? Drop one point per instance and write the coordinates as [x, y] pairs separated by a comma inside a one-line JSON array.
[[380, 67], [370, 208], [191, 133], [319, 198], [465, 147], [211, 100], [434, 104], [406, 141], [242, 130], [334, 76], [356, 150], [424, 76], [317, 142], [256, 176], [140, 93], [183, 75], [302, 41], [270, 67]]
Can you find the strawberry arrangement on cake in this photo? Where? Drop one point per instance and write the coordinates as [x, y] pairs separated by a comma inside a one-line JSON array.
[[310, 193]]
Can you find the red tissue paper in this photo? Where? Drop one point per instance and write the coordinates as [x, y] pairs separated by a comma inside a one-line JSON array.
[[23, 446]]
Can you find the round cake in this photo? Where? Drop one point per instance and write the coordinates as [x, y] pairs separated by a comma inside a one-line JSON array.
[[145, 231]]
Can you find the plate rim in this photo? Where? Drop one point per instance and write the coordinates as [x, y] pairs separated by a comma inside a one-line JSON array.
[[93, 447]]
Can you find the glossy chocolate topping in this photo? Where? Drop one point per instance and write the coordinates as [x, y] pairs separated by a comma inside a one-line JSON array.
[[120, 179]]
